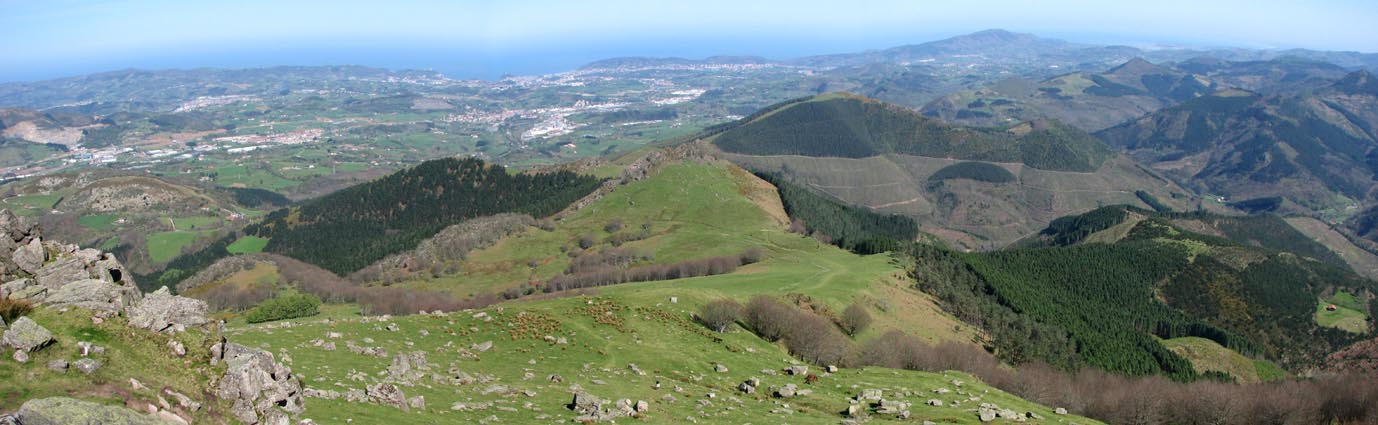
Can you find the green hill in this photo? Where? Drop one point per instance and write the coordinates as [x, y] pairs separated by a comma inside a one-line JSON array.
[[592, 340], [849, 126]]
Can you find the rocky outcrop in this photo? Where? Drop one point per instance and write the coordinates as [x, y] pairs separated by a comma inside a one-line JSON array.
[[36, 269], [93, 294], [65, 411], [26, 335], [161, 311], [255, 385]]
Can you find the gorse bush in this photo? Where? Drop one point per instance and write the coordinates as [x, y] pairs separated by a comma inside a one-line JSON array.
[[284, 307]]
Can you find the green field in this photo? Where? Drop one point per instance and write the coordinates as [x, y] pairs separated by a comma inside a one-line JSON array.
[[33, 205], [244, 176], [163, 246], [98, 222], [247, 245], [1348, 315], [200, 222]]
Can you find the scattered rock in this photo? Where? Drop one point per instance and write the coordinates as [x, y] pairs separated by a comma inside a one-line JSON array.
[[870, 394], [786, 391], [1060, 411], [482, 346], [797, 370], [58, 365], [720, 368], [935, 402], [26, 335], [636, 369], [387, 395], [585, 403], [987, 412], [21, 356], [87, 365], [177, 348]]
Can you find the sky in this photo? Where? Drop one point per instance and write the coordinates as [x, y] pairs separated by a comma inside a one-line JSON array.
[[41, 39]]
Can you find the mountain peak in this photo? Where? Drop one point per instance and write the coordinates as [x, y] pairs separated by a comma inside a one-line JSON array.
[[1137, 65], [1358, 82]]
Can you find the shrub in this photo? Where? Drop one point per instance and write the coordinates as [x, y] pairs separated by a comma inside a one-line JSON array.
[[613, 226], [284, 307], [718, 315], [587, 241], [855, 319], [13, 309], [767, 317]]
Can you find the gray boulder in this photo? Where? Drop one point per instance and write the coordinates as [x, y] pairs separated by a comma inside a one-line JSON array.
[[64, 411], [31, 256], [26, 335], [163, 312], [585, 403], [387, 395], [59, 365], [255, 384], [87, 365], [94, 294]]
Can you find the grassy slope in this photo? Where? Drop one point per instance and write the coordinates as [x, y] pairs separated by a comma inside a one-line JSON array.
[[247, 245], [638, 323], [1206, 355], [162, 246], [129, 353]]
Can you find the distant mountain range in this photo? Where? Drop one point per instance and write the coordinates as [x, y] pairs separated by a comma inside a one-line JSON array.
[[1001, 46]]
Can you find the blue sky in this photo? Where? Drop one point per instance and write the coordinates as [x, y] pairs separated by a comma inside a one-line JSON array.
[[484, 39]]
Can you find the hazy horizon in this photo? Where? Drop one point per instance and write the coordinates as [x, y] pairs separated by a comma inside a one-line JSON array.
[[473, 40]]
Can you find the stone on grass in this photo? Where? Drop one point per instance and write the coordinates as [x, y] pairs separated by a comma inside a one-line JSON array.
[[87, 365], [63, 410], [26, 335]]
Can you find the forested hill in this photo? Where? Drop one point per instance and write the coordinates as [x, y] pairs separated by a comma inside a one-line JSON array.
[[1116, 280], [850, 126], [1265, 231], [347, 230]]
